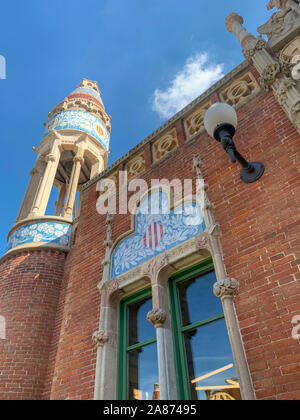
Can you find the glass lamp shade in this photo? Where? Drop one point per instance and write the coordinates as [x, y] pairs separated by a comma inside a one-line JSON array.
[[219, 114]]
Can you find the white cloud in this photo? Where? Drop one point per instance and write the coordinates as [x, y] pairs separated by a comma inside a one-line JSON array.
[[197, 75]]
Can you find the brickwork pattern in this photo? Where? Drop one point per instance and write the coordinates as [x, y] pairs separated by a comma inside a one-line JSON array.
[[29, 289]]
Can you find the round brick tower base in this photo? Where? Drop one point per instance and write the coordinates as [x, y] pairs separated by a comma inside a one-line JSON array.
[[30, 285]]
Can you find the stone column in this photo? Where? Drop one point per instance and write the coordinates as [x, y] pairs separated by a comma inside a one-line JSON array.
[[226, 289], [106, 337], [275, 74], [160, 317], [73, 184], [32, 189], [106, 340], [61, 200], [42, 197], [97, 167]]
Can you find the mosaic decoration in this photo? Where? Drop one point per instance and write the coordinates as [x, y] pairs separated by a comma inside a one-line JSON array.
[[79, 120], [157, 230], [40, 232]]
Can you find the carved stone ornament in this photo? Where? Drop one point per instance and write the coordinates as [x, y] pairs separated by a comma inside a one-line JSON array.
[[274, 71], [157, 317], [203, 242], [280, 24], [153, 267], [100, 338], [226, 288], [295, 114], [258, 45]]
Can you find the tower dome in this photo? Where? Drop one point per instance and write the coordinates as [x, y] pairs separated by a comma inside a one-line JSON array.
[[82, 110]]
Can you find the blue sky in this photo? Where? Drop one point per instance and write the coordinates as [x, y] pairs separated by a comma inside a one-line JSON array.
[[146, 55]]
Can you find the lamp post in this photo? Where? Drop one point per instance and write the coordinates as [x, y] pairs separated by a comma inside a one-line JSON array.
[[221, 122]]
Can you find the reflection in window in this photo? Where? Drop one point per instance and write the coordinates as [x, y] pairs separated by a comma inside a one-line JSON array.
[[205, 366], [138, 365]]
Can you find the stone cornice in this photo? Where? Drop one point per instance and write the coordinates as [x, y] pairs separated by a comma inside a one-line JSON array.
[[167, 125]]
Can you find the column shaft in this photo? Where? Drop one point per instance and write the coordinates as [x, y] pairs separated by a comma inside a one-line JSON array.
[[73, 185], [43, 194]]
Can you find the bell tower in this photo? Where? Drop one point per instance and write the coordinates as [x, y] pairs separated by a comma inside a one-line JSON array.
[[74, 149]]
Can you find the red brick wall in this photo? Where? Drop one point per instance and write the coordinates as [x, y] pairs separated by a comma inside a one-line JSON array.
[[29, 288], [260, 225]]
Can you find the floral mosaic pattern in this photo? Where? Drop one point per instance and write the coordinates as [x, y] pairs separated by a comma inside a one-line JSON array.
[[58, 233], [156, 231], [79, 120]]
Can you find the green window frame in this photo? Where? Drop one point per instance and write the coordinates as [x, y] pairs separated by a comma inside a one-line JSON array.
[[178, 330], [123, 347]]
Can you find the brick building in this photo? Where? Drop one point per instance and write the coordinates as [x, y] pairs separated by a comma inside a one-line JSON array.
[[199, 299]]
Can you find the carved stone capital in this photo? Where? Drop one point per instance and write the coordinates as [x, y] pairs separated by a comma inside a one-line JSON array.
[[50, 158], [100, 338], [153, 267], [226, 288], [79, 158], [157, 317]]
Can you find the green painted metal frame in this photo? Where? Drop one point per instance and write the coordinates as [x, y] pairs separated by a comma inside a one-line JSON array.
[[123, 348], [179, 348]]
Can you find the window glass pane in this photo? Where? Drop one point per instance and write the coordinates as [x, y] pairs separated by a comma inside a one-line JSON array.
[[143, 373], [140, 329], [210, 363], [197, 300]]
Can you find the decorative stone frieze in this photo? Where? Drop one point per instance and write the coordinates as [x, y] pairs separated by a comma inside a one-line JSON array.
[[136, 166], [194, 123], [108, 185], [239, 90], [164, 145], [157, 317]]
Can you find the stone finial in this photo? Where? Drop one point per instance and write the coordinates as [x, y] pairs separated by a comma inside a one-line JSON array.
[[157, 317], [197, 165], [226, 288], [231, 20], [234, 24]]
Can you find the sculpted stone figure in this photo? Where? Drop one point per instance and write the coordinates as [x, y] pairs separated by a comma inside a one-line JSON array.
[[280, 23], [283, 21], [284, 4]]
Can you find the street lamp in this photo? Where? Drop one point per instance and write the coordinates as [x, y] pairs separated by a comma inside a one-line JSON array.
[[221, 122]]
